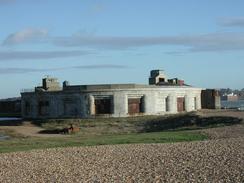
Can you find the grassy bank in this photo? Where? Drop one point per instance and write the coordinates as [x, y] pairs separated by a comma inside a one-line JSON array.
[[103, 131], [141, 124], [23, 144]]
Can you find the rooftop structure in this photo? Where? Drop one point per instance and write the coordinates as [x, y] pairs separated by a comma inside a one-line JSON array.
[[49, 84], [157, 76]]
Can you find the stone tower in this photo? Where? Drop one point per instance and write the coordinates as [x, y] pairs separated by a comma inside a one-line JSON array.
[[157, 76]]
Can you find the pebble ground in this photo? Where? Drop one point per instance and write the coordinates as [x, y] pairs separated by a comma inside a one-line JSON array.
[[219, 160]]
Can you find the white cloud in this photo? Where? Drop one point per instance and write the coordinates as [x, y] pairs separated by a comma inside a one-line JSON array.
[[97, 8], [6, 1], [194, 43], [22, 55], [214, 42], [101, 66], [232, 22], [15, 70], [25, 36], [19, 70]]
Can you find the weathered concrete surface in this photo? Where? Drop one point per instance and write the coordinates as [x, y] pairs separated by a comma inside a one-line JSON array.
[[81, 104]]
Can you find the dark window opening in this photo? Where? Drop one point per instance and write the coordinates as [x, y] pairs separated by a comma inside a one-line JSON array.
[[135, 105], [103, 106], [161, 80], [167, 104], [43, 108], [180, 104]]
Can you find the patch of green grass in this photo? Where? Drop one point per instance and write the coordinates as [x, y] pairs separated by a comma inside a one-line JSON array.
[[24, 144], [140, 124], [103, 131]]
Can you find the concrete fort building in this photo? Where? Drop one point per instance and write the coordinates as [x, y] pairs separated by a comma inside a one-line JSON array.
[[161, 96]]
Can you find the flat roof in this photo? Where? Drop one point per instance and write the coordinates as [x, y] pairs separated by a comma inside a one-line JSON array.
[[118, 86], [102, 87]]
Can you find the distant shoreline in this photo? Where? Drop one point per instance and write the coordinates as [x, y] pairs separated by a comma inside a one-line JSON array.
[[9, 119], [232, 104]]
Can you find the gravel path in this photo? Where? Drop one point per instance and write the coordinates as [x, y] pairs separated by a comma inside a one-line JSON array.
[[219, 160]]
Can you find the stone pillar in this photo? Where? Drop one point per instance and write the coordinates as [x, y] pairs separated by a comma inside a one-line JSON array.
[[120, 104], [172, 104], [166, 104], [198, 102], [23, 107], [53, 109], [91, 105], [34, 107], [125, 99], [149, 103], [189, 103], [145, 104], [79, 106]]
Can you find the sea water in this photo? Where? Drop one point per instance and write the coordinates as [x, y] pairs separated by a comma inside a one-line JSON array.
[[9, 119], [233, 104]]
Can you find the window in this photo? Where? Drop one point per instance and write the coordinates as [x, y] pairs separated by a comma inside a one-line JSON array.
[[103, 106]]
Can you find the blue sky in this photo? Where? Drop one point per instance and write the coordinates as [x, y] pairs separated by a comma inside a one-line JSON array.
[[109, 41]]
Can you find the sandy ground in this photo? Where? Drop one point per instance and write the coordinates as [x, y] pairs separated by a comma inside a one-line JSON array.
[[27, 129]]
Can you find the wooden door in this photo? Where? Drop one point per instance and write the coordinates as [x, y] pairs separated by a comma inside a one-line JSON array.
[[134, 105], [180, 104]]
